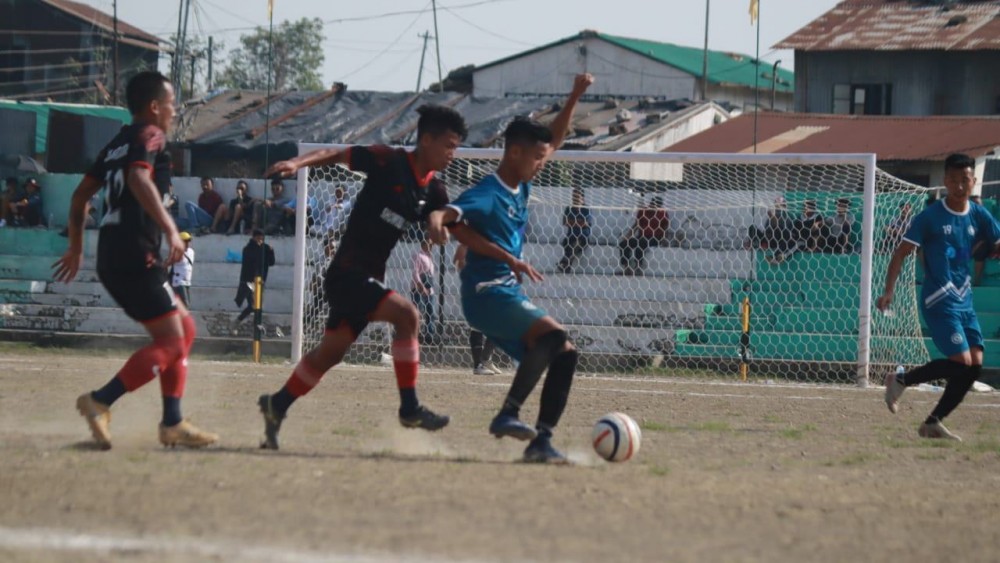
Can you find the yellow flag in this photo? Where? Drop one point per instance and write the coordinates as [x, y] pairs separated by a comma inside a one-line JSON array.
[[754, 10], [270, 9]]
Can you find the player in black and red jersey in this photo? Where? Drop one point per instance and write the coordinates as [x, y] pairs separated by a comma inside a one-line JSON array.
[[135, 168], [400, 189]]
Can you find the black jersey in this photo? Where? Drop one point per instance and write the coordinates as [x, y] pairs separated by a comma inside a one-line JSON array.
[[129, 238], [391, 199]]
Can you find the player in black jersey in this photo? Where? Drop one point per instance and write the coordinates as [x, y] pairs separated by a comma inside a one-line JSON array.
[[400, 189], [135, 168]]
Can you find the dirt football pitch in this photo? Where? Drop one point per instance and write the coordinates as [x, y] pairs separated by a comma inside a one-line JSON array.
[[726, 472]]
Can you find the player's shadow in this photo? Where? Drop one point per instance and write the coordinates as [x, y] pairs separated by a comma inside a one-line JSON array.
[[85, 446]]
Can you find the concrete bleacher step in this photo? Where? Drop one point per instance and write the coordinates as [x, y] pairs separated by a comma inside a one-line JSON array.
[[807, 266], [111, 320], [277, 301], [773, 345]]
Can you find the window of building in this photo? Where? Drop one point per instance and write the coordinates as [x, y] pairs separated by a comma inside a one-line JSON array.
[[862, 99]]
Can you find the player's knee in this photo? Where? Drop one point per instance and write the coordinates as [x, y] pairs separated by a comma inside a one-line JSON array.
[[408, 319], [170, 350], [553, 340]]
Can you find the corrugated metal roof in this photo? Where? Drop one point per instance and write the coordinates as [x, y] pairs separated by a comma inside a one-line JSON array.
[[891, 138], [901, 25], [104, 21], [723, 67]]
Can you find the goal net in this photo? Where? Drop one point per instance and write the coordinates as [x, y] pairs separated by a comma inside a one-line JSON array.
[[731, 265]]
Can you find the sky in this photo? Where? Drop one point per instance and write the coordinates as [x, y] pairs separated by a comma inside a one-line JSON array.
[[370, 50]]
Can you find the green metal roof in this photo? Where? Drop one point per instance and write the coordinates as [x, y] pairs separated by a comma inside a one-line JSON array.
[[723, 67], [41, 110]]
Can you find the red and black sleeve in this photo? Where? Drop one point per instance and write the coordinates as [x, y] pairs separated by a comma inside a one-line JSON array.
[[368, 158]]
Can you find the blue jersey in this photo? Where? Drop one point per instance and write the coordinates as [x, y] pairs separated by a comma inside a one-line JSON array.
[[499, 214], [946, 239]]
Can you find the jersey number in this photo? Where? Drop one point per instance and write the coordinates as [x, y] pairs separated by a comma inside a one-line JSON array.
[[115, 182]]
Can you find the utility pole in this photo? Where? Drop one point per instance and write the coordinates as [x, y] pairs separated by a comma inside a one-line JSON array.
[[194, 57], [177, 38], [704, 57], [114, 92], [437, 45], [756, 84], [774, 81], [210, 55], [420, 72], [179, 56]]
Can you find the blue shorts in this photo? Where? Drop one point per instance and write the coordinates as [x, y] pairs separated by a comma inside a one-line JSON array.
[[503, 313], [953, 332]]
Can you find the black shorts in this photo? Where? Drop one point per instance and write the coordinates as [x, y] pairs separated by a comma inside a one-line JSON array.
[[353, 296], [183, 293], [144, 295]]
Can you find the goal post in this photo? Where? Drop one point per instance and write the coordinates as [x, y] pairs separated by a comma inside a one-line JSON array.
[[653, 278]]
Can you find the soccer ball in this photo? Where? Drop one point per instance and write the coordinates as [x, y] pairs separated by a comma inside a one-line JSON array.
[[616, 437]]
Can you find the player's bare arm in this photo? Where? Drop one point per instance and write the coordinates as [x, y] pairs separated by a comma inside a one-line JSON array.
[[892, 274], [140, 183], [476, 242], [67, 267], [322, 157], [560, 126]]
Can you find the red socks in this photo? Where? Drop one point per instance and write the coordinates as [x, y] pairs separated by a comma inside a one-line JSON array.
[[174, 378], [405, 359], [151, 361], [303, 379]]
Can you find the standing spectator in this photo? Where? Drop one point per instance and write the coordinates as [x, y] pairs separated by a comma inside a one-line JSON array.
[[240, 209], [650, 229], [894, 230], [271, 214], [210, 210], [480, 346], [258, 257], [28, 211], [576, 219], [182, 271], [840, 227], [422, 290], [11, 195]]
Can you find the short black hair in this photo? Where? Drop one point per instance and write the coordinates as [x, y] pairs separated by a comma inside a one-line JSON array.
[[243, 183], [277, 182], [143, 88], [526, 131], [258, 233], [436, 120], [207, 179], [959, 161]]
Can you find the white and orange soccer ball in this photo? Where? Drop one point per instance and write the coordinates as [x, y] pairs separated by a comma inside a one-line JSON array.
[[616, 437]]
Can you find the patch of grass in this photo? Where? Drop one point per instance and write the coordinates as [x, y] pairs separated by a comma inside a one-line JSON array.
[[651, 426], [931, 456], [989, 427], [773, 419], [713, 426], [659, 470], [795, 433], [137, 457], [985, 447], [859, 458], [347, 432]]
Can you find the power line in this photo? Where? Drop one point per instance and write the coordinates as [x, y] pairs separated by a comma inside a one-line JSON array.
[[44, 67], [484, 30], [49, 93], [48, 51], [383, 51]]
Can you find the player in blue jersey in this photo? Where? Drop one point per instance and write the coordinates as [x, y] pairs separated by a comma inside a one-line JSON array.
[[945, 231], [492, 298]]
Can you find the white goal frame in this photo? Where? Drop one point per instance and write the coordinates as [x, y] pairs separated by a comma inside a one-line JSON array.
[[865, 160]]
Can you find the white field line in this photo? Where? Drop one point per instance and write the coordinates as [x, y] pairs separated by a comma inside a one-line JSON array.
[[49, 539]]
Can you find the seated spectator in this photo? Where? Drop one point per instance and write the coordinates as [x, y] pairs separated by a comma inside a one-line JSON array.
[[840, 227], [27, 212], [210, 211], [173, 205], [895, 230], [241, 210], [576, 219], [778, 233], [271, 215], [289, 223], [11, 195], [333, 219], [813, 230], [650, 229]]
